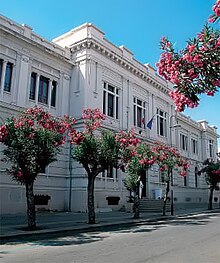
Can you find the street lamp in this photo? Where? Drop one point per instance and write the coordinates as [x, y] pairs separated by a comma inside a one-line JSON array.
[[171, 144]]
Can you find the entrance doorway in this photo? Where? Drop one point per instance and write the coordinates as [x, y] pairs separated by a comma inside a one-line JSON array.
[[143, 179]]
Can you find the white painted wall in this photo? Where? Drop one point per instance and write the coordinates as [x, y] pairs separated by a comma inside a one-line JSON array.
[[80, 61]]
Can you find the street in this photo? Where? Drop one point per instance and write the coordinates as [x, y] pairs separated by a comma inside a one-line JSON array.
[[192, 238]]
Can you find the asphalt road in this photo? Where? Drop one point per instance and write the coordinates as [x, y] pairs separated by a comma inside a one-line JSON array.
[[191, 239]]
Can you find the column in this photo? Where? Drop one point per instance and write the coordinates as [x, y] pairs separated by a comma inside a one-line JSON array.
[[3, 77], [37, 89], [49, 91]]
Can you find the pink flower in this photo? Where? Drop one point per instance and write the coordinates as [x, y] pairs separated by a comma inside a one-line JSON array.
[[190, 48], [210, 93]]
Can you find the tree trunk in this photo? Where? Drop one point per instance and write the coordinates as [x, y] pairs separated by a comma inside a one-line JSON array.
[[210, 197], [166, 196], [90, 191], [136, 206], [31, 214]]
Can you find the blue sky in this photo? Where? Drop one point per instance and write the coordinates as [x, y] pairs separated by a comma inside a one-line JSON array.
[[138, 25]]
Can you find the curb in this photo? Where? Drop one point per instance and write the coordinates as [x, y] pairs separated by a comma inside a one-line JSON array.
[[31, 235], [62, 231]]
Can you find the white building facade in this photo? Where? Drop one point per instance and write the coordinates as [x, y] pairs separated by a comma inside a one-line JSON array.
[[82, 69]]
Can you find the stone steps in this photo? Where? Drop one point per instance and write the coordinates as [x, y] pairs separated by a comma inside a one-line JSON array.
[[152, 205]]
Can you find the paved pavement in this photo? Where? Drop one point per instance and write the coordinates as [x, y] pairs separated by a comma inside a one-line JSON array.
[[60, 223]]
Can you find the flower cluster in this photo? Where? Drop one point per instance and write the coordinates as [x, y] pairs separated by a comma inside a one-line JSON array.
[[33, 139], [146, 156], [216, 9], [92, 120], [169, 158], [33, 119], [3, 133], [194, 70], [127, 139]]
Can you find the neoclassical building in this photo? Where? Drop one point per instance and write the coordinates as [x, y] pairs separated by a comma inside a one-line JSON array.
[[82, 69]]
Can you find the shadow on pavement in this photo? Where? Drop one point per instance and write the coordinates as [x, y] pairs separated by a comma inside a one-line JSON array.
[[96, 235]]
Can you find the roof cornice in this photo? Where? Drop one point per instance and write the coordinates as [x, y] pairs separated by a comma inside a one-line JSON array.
[[141, 71]]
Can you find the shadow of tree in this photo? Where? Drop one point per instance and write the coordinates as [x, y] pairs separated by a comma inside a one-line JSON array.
[[73, 238]]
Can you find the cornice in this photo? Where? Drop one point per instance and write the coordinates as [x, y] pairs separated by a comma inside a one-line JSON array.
[[121, 61], [35, 40]]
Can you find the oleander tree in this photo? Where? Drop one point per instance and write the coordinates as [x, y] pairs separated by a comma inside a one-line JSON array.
[[97, 150], [142, 158], [32, 139], [169, 159], [195, 69], [212, 176]]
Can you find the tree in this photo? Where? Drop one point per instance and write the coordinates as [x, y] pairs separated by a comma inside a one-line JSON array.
[[97, 151], [195, 69], [32, 140], [169, 159], [141, 160], [212, 176]]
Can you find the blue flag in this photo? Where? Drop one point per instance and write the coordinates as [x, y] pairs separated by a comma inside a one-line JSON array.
[[150, 123]]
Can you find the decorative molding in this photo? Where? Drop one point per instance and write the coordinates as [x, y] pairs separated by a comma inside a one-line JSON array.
[[67, 77], [118, 59], [25, 59], [112, 75]]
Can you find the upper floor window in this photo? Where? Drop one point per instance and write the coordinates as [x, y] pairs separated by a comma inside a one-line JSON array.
[[194, 145], [43, 90], [183, 142], [211, 148], [8, 77], [161, 123], [33, 86], [139, 113], [110, 100]]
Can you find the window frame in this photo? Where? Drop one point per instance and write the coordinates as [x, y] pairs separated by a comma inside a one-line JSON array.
[[211, 148], [33, 86], [8, 77], [43, 86], [183, 142], [53, 93], [139, 108], [110, 94], [194, 146], [162, 123]]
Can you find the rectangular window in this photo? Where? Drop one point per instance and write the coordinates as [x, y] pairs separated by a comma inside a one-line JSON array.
[[161, 123], [53, 94], [211, 149], [110, 172], [139, 113], [43, 90], [183, 142], [194, 144], [33, 86], [8, 77], [110, 101]]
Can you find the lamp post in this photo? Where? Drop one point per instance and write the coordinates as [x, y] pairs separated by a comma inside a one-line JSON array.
[[171, 177]]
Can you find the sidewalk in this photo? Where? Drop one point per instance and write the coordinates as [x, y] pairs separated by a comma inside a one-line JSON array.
[[62, 222]]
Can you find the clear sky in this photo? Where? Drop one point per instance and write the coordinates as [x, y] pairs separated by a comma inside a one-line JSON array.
[[136, 24]]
